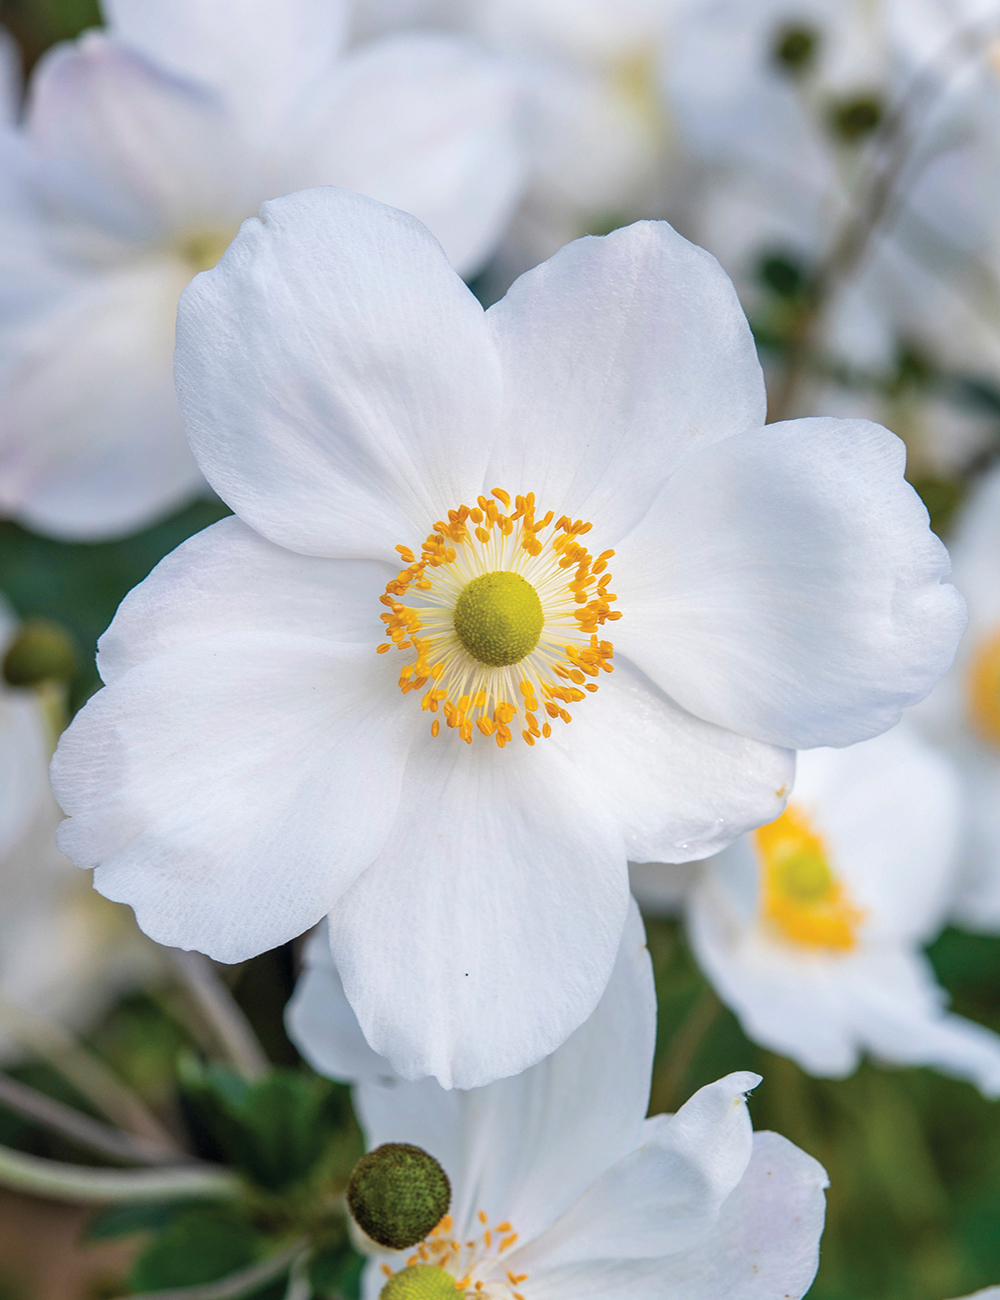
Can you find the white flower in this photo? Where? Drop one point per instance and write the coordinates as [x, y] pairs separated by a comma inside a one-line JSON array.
[[64, 951], [142, 150], [963, 713], [783, 97], [561, 1188], [599, 142], [810, 928], [254, 764]]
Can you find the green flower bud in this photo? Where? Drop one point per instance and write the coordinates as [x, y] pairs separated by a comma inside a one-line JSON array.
[[498, 618], [795, 47], [853, 119], [397, 1194], [40, 652], [420, 1282]]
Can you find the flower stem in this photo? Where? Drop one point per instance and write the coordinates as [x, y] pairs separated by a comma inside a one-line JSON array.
[[237, 1284], [667, 1093], [218, 1007], [62, 1182]]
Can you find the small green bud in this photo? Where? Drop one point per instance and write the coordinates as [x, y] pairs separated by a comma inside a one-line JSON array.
[[40, 652], [499, 618], [853, 119], [398, 1194], [795, 47], [419, 1282]]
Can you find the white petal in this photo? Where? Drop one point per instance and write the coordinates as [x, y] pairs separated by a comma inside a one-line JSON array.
[[337, 380], [262, 55], [91, 444], [621, 356], [682, 788], [487, 930], [786, 585], [126, 148], [525, 1148], [662, 1198], [321, 1024], [764, 1245], [429, 125], [227, 579], [224, 789]]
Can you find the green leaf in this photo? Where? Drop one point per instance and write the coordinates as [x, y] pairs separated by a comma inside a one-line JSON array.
[[124, 1220], [336, 1271], [198, 1245]]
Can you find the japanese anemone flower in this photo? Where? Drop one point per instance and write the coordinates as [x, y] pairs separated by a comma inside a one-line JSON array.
[[455, 488], [561, 1188], [142, 149], [811, 928]]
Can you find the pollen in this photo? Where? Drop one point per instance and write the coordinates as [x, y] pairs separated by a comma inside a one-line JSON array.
[[470, 1267], [500, 617], [982, 690], [802, 899]]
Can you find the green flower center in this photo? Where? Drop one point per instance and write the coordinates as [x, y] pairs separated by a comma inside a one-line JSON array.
[[398, 1194], [420, 1282], [498, 618]]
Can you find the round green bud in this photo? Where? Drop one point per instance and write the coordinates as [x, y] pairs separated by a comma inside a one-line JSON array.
[[853, 119], [498, 618], [398, 1194], [795, 47], [419, 1282], [40, 652]]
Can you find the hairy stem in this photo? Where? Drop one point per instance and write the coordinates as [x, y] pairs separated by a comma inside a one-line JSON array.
[[62, 1182]]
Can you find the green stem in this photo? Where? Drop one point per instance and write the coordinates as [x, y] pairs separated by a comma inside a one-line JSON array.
[[219, 1009], [237, 1284], [61, 1182], [667, 1093]]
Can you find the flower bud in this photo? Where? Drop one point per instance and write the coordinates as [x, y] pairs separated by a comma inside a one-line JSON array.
[[397, 1194], [40, 652]]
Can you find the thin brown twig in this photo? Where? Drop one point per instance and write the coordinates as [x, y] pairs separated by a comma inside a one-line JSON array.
[[84, 1130]]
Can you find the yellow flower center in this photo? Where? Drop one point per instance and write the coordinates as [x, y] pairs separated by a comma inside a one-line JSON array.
[[801, 897], [500, 614], [474, 1267], [982, 689]]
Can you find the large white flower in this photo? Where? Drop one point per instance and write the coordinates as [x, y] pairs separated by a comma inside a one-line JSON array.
[[811, 927], [963, 713], [63, 950], [464, 804], [142, 150], [561, 1188]]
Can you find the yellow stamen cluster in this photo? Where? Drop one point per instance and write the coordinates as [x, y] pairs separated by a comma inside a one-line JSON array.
[[462, 1260], [801, 898], [572, 589], [982, 689]]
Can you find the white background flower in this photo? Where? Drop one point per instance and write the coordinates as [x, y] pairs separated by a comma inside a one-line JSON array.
[[142, 149], [815, 942], [254, 764], [603, 1202]]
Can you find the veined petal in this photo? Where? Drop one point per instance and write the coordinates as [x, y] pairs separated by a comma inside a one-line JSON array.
[[229, 580], [224, 789], [765, 1243], [682, 788], [427, 124], [486, 931], [622, 356], [91, 443], [121, 146], [786, 585], [261, 55], [336, 376], [663, 1197], [514, 1148]]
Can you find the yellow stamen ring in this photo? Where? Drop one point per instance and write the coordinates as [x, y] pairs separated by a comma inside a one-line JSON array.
[[507, 620]]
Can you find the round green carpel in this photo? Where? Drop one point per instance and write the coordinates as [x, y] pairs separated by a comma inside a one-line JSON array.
[[499, 618], [805, 877], [420, 1282], [398, 1194]]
